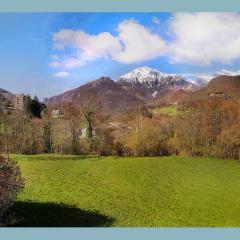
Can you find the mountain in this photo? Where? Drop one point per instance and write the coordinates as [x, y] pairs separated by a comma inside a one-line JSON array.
[[141, 86], [6, 93], [3, 91], [228, 85], [221, 86], [150, 83], [111, 96], [6, 97], [201, 82]]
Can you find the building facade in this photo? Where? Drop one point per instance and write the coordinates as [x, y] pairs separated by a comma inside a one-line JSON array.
[[56, 113], [19, 102]]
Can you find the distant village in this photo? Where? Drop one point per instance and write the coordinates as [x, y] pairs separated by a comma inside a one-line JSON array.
[[19, 103]]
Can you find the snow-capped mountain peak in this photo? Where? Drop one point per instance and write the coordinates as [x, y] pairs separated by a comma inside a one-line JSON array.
[[146, 74], [153, 82]]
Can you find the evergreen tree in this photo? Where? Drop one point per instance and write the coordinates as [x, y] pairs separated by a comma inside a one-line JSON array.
[[48, 137], [89, 125], [33, 107]]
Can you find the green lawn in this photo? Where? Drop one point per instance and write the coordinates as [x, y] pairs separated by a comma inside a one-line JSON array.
[[107, 191], [166, 110]]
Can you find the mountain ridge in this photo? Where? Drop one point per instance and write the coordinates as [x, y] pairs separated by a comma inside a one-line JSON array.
[[138, 87], [108, 93]]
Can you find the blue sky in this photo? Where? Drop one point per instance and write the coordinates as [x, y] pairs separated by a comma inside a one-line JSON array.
[[46, 54]]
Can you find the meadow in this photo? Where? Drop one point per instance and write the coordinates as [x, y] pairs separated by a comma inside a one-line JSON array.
[[170, 110], [68, 190]]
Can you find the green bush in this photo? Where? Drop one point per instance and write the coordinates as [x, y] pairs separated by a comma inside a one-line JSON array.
[[11, 183]]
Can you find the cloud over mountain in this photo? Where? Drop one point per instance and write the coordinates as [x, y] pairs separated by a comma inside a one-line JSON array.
[[228, 72], [130, 45], [138, 43], [204, 38], [193, 38]]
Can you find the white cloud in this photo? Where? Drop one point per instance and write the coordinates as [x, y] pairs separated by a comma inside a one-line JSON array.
[[195, 38], [61, 74], [134, 43], [54, 64], [228, 72], [198, 77], [87, 47], [205, 76], [156, 20], [58, 46], [54, 57], [138, 43], [209, 76], [204, 38]]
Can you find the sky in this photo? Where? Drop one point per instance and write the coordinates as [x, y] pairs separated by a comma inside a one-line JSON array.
[[45, 54]]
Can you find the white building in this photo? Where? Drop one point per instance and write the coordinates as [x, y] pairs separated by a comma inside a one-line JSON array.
[[56, 113]]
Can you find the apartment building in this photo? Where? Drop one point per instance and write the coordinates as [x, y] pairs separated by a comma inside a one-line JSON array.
[[19, 102]]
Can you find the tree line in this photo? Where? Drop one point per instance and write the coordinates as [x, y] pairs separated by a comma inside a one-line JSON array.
[[208, 127]]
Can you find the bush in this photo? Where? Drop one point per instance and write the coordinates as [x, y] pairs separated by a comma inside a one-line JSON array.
[[103, 142], [187, 135], [119, 149], [11, 183], [150, 139], [228, 143]]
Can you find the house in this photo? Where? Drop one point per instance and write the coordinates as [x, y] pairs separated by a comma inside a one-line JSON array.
[[216, 94], [56, 113], [83, 132]]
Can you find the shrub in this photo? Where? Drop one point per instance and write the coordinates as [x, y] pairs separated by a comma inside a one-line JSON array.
[[11, 183], [228, 143], [118, 149], [103, 142], [150, 139], [187, 135]]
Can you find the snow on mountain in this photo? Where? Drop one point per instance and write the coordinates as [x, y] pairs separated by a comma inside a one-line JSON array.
[[201, 82], [146, 74], [155, 81], [203, 79]]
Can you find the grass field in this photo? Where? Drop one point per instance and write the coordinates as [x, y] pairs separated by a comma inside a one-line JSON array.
[[170, 110], [107, 191]]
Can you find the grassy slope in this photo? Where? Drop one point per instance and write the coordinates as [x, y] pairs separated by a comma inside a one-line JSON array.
[[166, 110], [167, 191]]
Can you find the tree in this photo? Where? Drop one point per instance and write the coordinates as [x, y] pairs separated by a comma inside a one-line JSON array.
[[104, 141], [209, 127], [33, 107], [89, 118], [36, 107], [11, 183], [228, 143], [27, 106], [48, 137], [150, 140], [90, 108], [73, 115]]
